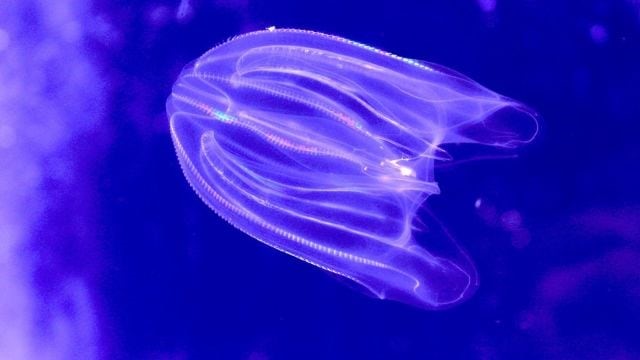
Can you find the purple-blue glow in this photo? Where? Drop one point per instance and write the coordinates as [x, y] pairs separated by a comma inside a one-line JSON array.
[[105, 252], [324, 148], [51, 99]]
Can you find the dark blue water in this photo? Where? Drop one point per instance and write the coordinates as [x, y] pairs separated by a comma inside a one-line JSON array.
[[554, 233]]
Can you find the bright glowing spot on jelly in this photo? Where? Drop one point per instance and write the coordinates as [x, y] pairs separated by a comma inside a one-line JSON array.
[[406, 171], [324, 148]]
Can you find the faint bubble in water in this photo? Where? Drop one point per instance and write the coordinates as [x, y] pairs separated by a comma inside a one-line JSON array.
[[159, 15], [185, 10], [487, 5], [599, 34], [324, 148], [511, 220]]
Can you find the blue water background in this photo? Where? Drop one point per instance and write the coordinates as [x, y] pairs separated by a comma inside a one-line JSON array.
[[554, 233], [188, 283]]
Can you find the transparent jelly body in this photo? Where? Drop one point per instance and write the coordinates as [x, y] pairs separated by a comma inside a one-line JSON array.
[[324, 148]]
